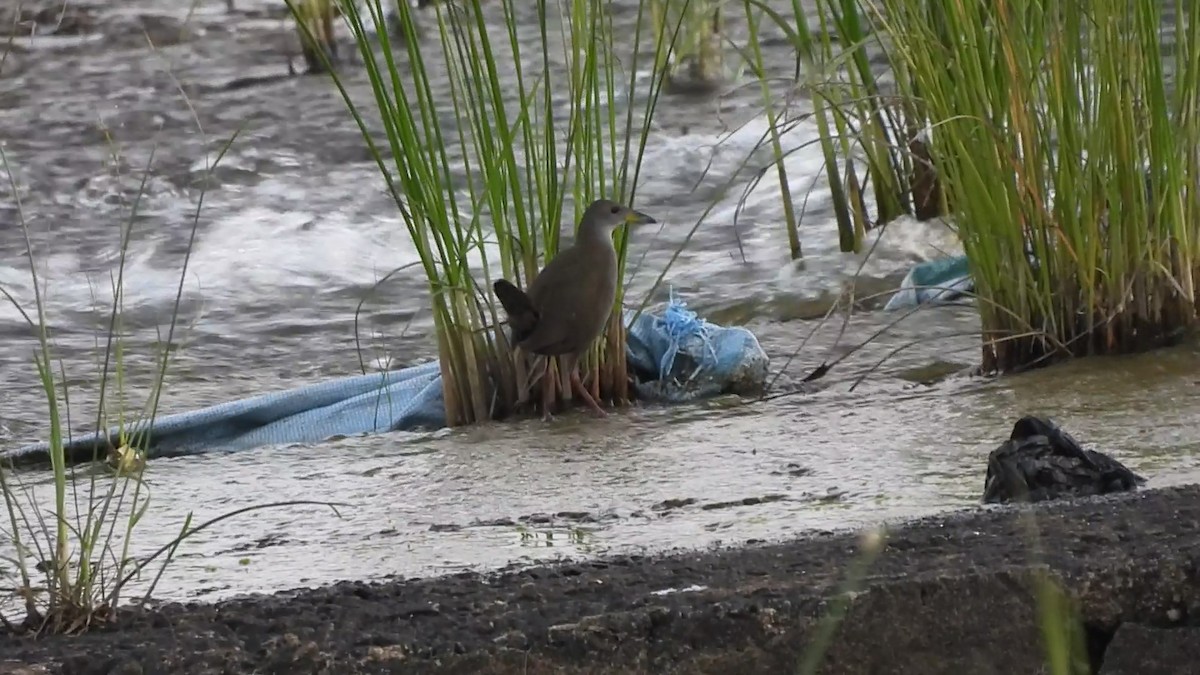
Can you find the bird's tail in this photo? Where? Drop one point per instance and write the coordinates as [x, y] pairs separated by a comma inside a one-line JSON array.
[[522, 315]]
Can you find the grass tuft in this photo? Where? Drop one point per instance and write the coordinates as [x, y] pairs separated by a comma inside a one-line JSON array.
[[314, 27], [69, 562], [695, 63], [490, 139], [1064, 135], [870, 138]]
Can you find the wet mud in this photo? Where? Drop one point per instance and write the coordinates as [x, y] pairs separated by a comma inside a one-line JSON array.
[[947, 594]]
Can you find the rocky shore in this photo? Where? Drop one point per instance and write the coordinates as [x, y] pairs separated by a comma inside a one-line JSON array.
[[951, 594]]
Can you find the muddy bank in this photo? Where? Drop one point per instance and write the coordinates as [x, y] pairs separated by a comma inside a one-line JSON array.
[[949, 594]]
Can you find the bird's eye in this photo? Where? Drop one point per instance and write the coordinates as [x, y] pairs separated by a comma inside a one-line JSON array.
[[616, 209]]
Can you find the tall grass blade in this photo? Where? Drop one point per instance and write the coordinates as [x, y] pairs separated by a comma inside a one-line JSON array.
[[1057, 130], [523, 124]]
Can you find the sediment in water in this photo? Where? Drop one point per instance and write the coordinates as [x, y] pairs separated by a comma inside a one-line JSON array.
[[951, 594]]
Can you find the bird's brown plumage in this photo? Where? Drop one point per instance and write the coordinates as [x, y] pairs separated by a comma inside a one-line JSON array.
[[569, 302]]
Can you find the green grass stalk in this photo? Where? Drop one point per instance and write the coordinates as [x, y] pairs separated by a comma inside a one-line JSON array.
[[314, 27], [773, 122], [519, 123], [1057, 616], [80, 564], [872, 544], [1062, 632], [694, 60], [1057, 137], [70, 573], [857, 121]]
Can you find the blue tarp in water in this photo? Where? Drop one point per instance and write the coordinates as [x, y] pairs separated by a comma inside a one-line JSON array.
[[933, 282], [675, 355]]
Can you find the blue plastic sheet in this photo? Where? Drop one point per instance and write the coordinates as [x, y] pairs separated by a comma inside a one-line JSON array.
[[933, 282], [676, 357]]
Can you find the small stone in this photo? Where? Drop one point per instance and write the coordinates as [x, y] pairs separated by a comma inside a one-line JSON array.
[[1138, 650], [13, 668], [514, 639], [560, 631], [386, 653]]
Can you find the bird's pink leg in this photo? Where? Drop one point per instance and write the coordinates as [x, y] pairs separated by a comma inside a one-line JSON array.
[[547, 392], [577, 386]]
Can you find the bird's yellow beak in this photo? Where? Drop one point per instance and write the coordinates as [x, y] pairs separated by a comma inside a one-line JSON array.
[[638, 218]]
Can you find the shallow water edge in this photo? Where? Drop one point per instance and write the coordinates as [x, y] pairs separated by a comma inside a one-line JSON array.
[[296, 229], [961, 581]]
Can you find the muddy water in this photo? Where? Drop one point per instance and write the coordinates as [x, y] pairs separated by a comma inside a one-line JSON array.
[[296, 229]]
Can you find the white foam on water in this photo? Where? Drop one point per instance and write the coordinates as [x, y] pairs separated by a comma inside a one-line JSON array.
[[299, 232], [285, 235], [760, 233], [690, 589]]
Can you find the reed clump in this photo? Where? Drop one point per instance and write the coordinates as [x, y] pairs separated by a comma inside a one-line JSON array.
[[695, 61], [1051, 131], [314, 26], [68, 557], [870, 137], [1065, 135], [498, 129]]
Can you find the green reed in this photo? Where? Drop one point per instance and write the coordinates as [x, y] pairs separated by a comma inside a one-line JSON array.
[[868, 137], [695, 61], [774, 124], [71, 563], [314, 27], [493, 129], [1063, 134], [872, 544]]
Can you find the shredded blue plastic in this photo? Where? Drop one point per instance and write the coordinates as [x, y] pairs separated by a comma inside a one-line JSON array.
[[680, 323], [697, 358], [676, 356]]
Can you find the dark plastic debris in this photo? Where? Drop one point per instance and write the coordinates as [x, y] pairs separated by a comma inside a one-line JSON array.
[[1041, 462]]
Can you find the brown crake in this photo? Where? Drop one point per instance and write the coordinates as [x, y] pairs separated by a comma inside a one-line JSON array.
[[569, 302]]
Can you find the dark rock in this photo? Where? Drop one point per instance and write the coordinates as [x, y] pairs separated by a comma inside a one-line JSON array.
[[127, 668], [746, 501], [1141, 650]]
